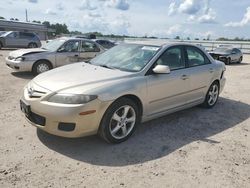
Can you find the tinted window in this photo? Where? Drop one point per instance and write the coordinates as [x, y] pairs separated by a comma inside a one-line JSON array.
[[26, 35], [195, 57], [172, 58], [70, 46], [13, 35], [89, 47]]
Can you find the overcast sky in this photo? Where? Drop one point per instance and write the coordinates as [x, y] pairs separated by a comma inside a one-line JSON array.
[[161, 18]]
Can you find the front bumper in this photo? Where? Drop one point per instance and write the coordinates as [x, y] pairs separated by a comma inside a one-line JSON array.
[[222, 83], [19, 65], [65, 120]]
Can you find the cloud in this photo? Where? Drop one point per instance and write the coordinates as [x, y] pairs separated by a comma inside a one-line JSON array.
[[245, 20], [195, 11], [208, 18], [86, 5], [170, 32], [90, 23], [172, 9], [50, 12], [33, 1], [190, 6], [94, 14], [59, 6], [118, 4]]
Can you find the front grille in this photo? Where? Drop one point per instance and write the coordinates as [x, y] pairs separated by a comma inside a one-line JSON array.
[[35, 91], [37, 119]]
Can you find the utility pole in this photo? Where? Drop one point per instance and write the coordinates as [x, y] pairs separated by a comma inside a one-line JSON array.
[[26, 14]]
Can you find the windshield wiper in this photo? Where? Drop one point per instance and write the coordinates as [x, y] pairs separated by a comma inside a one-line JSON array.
[[106, 66]]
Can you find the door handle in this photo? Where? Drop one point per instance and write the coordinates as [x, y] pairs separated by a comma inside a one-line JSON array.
[[184, 77], [211, 70], [76, 55]]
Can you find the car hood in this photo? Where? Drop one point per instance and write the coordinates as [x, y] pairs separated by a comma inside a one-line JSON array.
[[22, 52], [78, 74], [219, 53]]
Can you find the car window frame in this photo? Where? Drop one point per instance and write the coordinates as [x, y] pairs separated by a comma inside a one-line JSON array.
[[201, 52], [150, 70], [78, 51], [94, 43]]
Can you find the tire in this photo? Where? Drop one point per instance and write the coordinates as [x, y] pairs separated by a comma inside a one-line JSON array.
[[240, 60], [115, 127], [40, 67], [212, 95], [228, 61], [1, 45], [32, 45]]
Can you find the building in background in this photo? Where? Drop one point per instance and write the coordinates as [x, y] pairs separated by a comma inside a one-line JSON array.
[[40, 29]]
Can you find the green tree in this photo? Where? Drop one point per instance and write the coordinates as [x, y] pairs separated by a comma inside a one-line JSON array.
[[2, 18]]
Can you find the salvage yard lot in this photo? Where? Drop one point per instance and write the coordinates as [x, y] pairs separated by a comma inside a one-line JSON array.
[[192, 148]]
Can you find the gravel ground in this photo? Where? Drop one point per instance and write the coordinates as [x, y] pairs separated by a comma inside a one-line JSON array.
[[192, 148]]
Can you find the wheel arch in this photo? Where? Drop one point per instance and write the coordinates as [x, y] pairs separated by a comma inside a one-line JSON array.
[[48, 61], [135, 99]]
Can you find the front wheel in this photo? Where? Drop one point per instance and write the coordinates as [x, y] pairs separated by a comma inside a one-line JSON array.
[[228, 61], [240, 60], [119, 121], [40, 67], [212, 95]]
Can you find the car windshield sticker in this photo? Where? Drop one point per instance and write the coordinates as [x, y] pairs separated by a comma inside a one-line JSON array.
[[151, 48]]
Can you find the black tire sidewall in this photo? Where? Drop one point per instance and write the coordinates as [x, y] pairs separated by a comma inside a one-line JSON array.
[[205, 104], [104, 131], [34, 68]]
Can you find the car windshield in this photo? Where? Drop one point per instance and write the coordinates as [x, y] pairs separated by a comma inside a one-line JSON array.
[[224, 50], [2, 32], [126, 57], [54, 44]]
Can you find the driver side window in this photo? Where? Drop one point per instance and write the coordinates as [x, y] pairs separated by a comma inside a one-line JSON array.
[[172, 57], [70, 46]]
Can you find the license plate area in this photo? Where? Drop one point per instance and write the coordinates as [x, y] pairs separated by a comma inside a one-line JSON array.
[[25, 108]]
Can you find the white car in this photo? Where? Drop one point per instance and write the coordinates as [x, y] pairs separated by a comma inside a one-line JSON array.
[[62, 51]]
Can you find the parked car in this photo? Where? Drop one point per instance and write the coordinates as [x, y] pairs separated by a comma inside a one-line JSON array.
[[105, 43], [126, 85], [227, 54], [16, 39], [2, 32], [56, 53]]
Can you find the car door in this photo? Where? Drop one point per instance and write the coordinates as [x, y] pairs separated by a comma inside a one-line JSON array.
[[200, 71], [68, 53], [168, 91], [23, 39], [12, 39], [88, 51]]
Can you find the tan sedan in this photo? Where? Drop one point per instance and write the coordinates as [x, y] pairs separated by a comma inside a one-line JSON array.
[[126, 85], [59, 52]]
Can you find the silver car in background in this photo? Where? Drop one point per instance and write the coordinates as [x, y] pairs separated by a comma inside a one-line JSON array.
[[18, 39], [59, 52], [126, 85], [227, 54]]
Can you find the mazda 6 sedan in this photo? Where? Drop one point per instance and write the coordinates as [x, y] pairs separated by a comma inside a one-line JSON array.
[[119, 89]]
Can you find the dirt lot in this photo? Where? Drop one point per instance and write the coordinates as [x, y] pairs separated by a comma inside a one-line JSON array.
[[193, 148]]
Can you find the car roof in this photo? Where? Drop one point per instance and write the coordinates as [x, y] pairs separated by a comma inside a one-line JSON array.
[[159, 43], [74, 38]]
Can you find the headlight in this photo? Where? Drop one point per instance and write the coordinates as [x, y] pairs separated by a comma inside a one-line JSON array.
[[20, 58], [64, 98]]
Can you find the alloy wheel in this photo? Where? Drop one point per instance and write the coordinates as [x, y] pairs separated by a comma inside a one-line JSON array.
[[213, 94], [122, 122]]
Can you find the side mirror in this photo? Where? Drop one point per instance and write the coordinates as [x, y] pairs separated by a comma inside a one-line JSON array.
[[161, 69]]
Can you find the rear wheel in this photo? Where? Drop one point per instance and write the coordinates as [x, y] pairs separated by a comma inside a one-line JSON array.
[[32, 45], [40, 67], [212, 95], [119, 121], [240, 60]]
